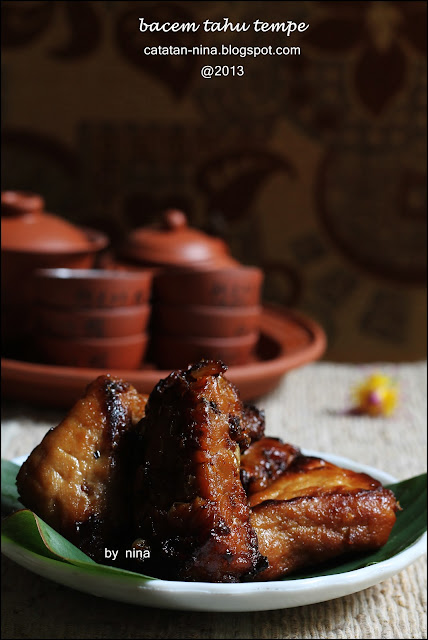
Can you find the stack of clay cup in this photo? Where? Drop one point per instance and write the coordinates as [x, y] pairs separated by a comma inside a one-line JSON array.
[[92, 318], [32, 238], [211, 313]]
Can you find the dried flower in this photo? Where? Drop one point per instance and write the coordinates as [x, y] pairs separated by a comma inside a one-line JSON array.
[[376, 396]]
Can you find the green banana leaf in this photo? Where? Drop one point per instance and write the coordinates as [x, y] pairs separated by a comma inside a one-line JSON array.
[[9, 492], [26, 530]]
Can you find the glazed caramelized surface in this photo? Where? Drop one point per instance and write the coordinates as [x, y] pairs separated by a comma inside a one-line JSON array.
[[188, 475], [264, 461], [316, 511], [308, 476], [79, 478], [191, 507], [252, 426]]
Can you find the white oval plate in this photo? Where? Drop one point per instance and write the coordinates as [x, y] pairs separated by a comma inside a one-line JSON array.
[[202, 596]]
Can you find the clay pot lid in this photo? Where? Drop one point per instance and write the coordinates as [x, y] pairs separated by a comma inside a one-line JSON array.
[[26, 227], [172, 243]]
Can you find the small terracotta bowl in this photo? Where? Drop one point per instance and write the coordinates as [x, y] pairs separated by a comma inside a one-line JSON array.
[[91, 323], [92, 288], [175, 352], [100, 353], [232, 287], [206, 321]]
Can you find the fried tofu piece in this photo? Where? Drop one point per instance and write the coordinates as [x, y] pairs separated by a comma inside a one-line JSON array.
[[191, 508], [79, 478], [264, 461], [317, 511]]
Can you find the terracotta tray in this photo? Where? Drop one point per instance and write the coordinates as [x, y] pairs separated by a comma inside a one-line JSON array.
[[288, 340]]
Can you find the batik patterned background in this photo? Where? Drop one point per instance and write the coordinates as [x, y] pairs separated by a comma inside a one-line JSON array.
[[313, 167]]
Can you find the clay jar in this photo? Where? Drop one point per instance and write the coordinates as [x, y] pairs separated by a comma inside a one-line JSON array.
[[92, 323], [92, 318], [33, 238], [207, 321], [195, 277], [175, 352], [92, 288], [238, 286], [100, 353], [213, 313], [172, 244]]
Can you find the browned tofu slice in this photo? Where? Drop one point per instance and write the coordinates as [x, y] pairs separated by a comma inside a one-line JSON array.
[[79, 478], [317, 511], [264, 461]]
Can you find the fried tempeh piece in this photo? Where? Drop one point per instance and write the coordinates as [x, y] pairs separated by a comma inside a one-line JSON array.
[[247, 426], [264, 461], [191, 508], [252, 425], [317, 511], [79, 478]]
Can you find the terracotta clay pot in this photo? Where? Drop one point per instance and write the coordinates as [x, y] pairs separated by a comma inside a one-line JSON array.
[[175, 352], [173, 244], [27, 228], [206, 321], [31, 239], [99, 353], [91, 288], [232, 287], [91, 323]]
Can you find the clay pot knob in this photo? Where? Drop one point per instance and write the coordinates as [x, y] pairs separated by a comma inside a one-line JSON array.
[[15, 203], [173, 219]]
